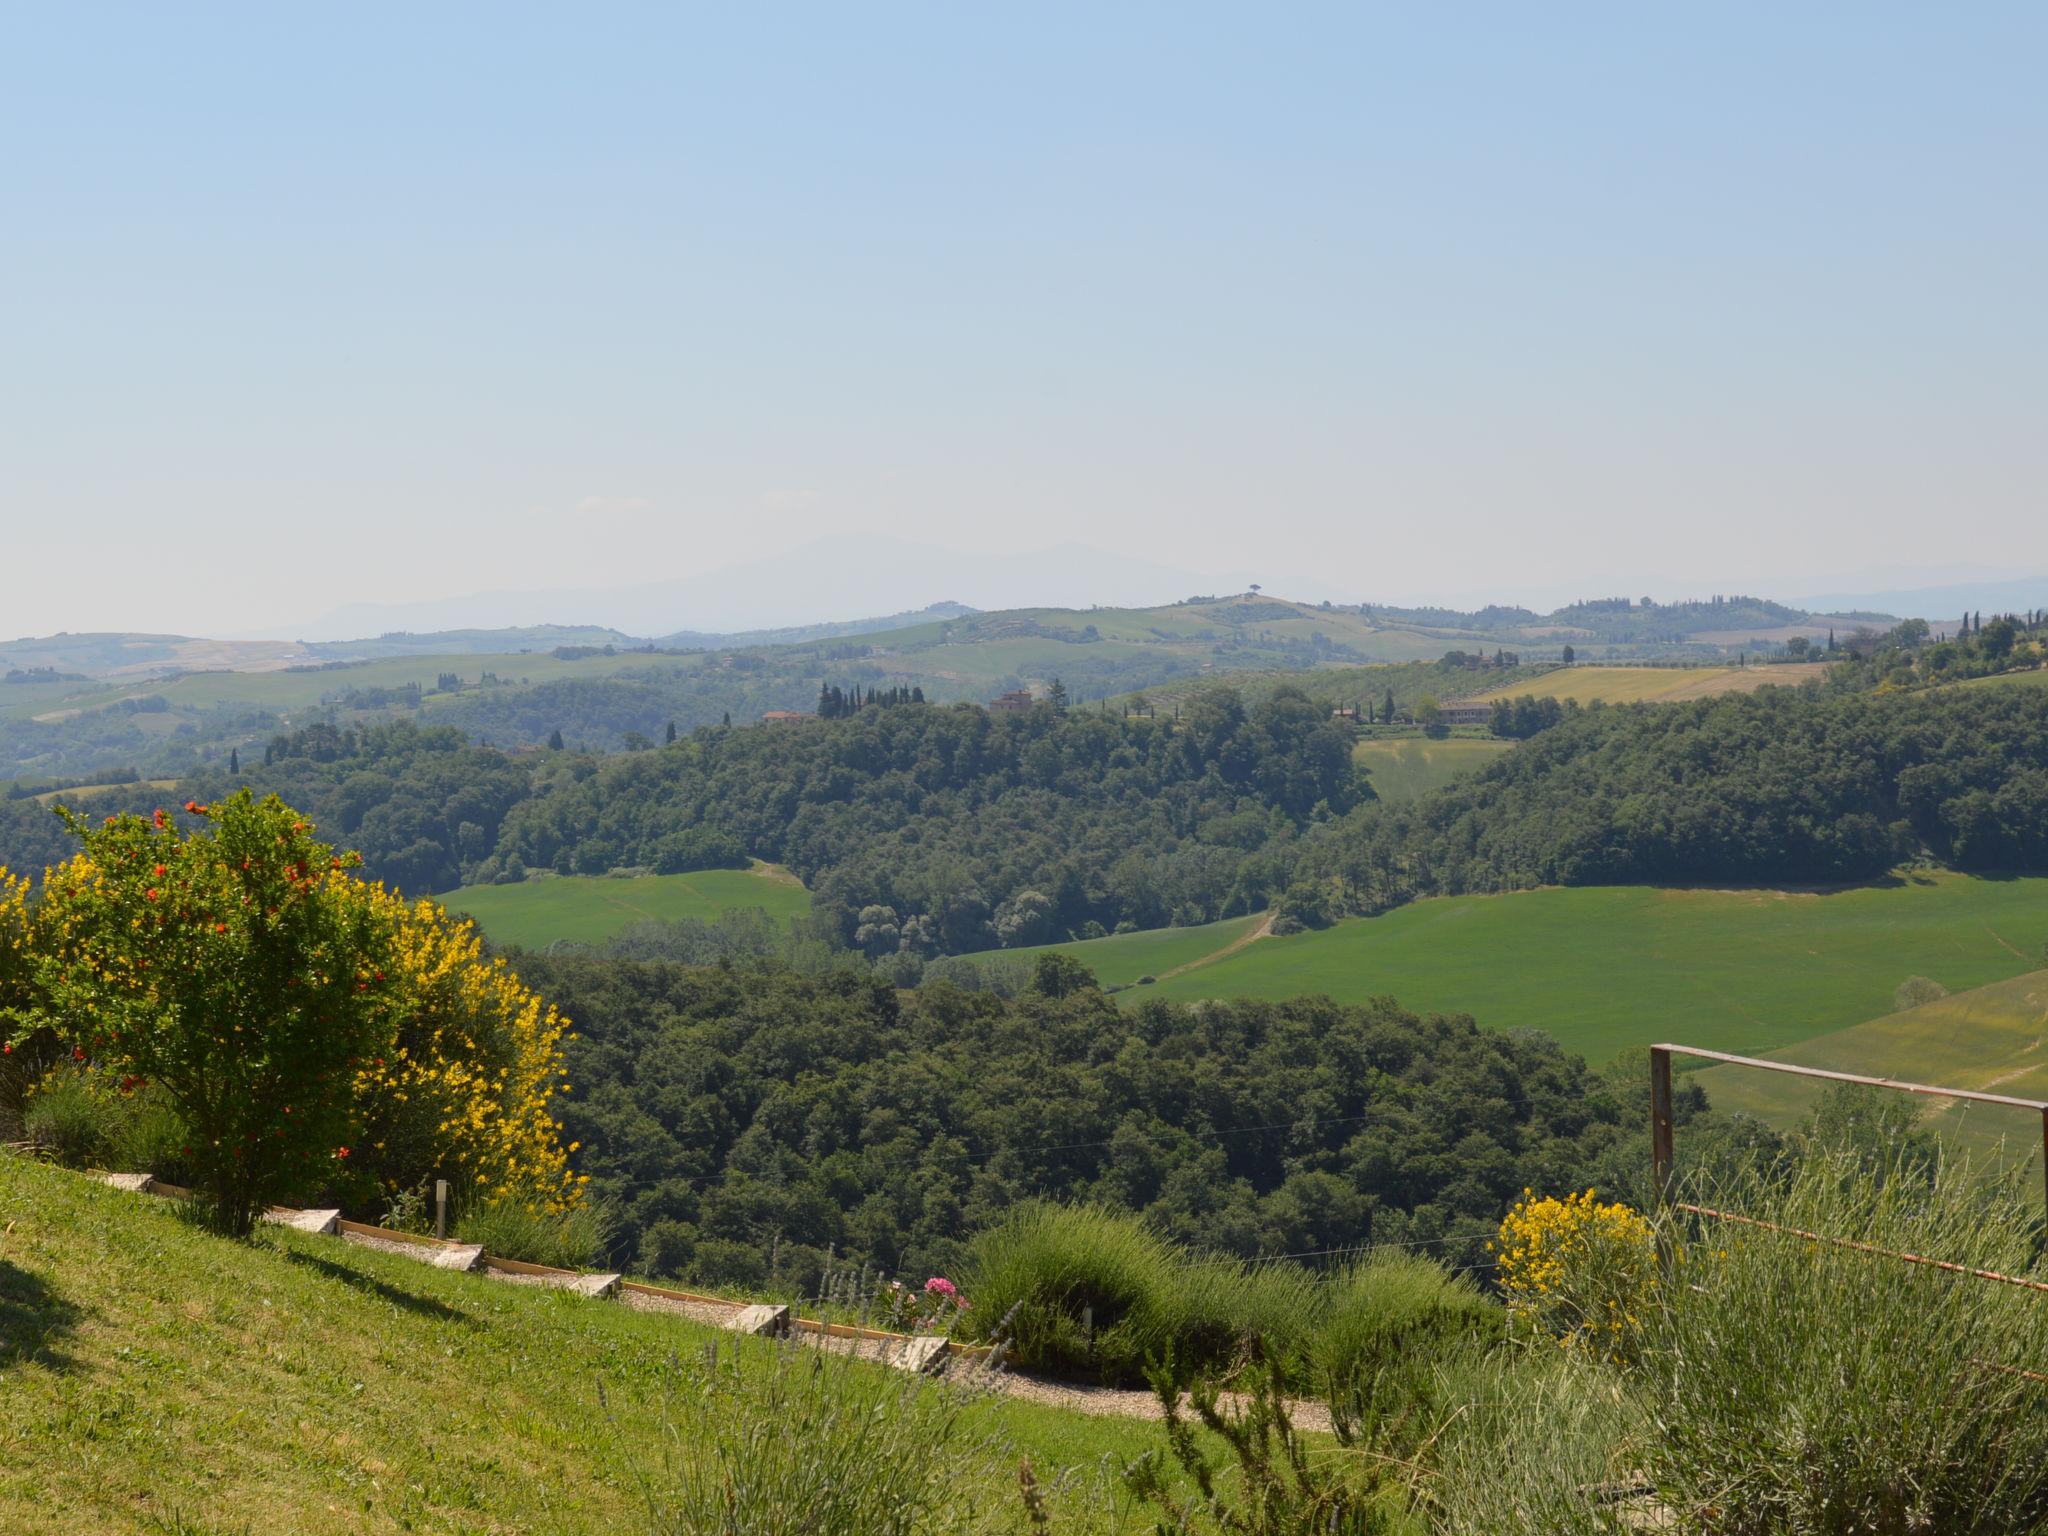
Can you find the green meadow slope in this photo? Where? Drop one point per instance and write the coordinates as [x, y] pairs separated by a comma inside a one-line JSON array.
[[157, 1379], [1993, 1039], [1121, 959], [592, 908], [1407, 767], [1605, 968]]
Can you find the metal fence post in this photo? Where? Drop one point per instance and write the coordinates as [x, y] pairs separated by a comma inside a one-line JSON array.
[[440, 1207], [1660, 1122]]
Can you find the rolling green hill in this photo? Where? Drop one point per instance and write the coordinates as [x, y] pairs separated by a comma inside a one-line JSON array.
[[1605, 968], [1403, 767], [167, 704], [162, 1381], [591, 908]]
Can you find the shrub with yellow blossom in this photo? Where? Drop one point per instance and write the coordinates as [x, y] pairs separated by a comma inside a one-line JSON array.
[[227, 968], [1578, 1270], [462, 1085], [18, 1069]]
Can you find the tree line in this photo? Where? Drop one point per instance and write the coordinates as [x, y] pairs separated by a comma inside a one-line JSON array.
[[743, 1117], [1781, 786]]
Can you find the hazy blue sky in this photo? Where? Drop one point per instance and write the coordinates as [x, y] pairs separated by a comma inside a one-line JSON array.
[[313, 305]]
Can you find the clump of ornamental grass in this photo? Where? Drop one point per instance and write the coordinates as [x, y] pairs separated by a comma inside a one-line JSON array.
[[577, 1238], [1796, 1384], [1537, 1441], [1078, 1288], [84, 1116], [773, 1439], [1223, 1304], [1389, 1322]]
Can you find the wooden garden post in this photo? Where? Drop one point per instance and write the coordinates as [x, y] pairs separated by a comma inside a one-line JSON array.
[[1660, 1122]]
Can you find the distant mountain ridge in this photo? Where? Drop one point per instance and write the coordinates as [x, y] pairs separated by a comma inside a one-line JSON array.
[[1404, 634]]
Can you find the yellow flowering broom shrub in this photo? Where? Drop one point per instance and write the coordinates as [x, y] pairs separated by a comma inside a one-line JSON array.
[[17, 961], [1576, 1270], [463, 1084], [228, 969], [316, 1034]]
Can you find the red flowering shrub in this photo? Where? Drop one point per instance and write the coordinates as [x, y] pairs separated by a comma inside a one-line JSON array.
[[229, 968]]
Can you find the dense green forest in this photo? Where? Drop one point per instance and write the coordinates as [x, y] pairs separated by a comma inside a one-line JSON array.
[[924, 829], [1781, 786], [919, 829], [746, 1116], [952, 830]]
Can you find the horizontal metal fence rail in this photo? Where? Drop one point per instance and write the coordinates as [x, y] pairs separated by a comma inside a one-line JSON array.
[[1660, 1100]]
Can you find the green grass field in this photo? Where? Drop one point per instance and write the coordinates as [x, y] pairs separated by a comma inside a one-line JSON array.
[[1608, 967], [1122, 958], [158, 1380], [592, 908], [1403, 767], [1657, 685], [1992, 1038], [2038, 678]]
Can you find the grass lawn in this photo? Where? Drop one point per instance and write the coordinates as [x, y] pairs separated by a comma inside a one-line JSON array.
[[1608, 967], [1403, 767], [1122, 958], [1992, 1038], [157, 1379], [592, 908]]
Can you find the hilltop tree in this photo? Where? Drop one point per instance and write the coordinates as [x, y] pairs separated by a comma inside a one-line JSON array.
[[231, 969], [1057, 697], [1570, 656], [555, 740]]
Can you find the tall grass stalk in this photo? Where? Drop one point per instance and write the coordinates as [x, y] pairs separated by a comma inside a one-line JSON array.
[[1390, 1320], [1083, 1289], [1805, 1387], [579, 1238], [783, 1440], [1536, 1442]]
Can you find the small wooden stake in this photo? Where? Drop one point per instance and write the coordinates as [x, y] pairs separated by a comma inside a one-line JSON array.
[[1660, 1122], [440, 1207]]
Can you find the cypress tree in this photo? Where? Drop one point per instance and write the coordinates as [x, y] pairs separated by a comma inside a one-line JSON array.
[[234, 760]]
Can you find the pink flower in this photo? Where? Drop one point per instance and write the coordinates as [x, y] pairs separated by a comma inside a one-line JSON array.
[[939, 1285]]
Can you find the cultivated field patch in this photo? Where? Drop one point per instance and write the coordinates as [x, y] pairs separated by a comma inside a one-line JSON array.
[[592, 908], [1657, 685], [1404, 767]]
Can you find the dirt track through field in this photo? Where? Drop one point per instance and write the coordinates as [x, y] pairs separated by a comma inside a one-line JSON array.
[[1249, 936]]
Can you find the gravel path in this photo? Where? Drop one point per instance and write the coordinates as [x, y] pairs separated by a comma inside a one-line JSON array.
[[1128, 1402], [712, 1313], [1075, 1397]]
